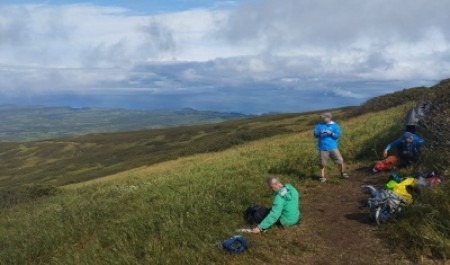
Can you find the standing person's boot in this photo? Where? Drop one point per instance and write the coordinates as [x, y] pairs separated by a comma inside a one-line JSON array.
[[344, 175]]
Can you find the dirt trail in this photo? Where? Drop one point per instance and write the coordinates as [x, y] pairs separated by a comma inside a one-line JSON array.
[[335, 227]]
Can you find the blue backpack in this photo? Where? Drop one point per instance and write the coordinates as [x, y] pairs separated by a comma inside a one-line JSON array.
[[235, 245]]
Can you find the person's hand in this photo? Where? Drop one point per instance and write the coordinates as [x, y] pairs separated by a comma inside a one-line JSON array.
[[256, 230], [329, 132], [385, 153]]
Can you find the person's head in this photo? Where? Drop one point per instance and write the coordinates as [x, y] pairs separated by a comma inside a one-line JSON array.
[[408, 137], [326, 117], [274, 183]]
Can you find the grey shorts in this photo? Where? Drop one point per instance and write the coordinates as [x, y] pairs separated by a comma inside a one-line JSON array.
[[334, 154]]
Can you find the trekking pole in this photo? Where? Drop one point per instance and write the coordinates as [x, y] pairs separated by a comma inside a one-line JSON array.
[[244, 230]]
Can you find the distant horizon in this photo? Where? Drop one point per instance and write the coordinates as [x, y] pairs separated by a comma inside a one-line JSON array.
[[134, 108], [18, 105], [145, 102], [245, 56]]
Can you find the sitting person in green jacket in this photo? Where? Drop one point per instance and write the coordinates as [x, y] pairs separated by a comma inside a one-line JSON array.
[[284, 210]]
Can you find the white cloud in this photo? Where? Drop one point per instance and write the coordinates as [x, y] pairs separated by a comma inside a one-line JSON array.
[[346, 93], [273, 47], [338, 24], [348, 34]]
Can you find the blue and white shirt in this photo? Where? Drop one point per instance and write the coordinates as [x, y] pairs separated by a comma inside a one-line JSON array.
[[326, 141]]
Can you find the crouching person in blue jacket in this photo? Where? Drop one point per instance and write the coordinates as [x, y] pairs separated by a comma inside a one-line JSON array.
[[408, 148], [328, 133]]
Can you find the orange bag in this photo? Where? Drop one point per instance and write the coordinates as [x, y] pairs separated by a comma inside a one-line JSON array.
[[386, 164]]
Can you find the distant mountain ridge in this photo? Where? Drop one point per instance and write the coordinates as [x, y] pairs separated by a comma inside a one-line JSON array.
[[29, 123]]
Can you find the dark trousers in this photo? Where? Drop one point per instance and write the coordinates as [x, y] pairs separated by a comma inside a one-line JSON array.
[[410, 128]]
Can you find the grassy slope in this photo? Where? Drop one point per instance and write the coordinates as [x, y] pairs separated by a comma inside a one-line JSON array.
[[425, 231], [71, 160], [173, 212]]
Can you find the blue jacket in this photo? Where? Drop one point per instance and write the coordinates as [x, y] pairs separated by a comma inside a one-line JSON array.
[[326, 141], [414, 145]]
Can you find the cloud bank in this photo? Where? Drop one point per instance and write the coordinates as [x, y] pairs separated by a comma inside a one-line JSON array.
[[252, 56]]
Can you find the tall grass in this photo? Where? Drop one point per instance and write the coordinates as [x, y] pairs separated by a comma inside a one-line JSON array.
[[424, 230], [77, 159], [174, 212]]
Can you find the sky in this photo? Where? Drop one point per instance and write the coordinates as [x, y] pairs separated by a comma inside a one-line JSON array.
[[248, 56]]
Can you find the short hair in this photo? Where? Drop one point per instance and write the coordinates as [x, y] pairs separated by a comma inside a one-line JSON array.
[[326, 115], [272, 180]]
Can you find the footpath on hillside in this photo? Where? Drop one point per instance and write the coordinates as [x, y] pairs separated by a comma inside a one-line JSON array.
[[336, 217], [335, 226]]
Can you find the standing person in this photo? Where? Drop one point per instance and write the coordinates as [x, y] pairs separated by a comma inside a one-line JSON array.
[[328, 133], [408, 147], [284, 209]]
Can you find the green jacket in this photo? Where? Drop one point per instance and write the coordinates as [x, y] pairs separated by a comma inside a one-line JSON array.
[[284, 208]]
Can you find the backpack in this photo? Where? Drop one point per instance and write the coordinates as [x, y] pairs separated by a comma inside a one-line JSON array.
[[383, 203], [235, 245], [400, 188], [255, 214], [428, 178], [386, 164]]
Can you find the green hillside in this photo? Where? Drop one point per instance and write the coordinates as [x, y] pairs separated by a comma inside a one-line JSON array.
[[173, 212], [71, 160], [30, 123]]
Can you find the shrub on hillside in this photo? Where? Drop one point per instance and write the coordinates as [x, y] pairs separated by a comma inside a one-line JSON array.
[[425, 230], [437, 125], [391, 100], [15, 195]]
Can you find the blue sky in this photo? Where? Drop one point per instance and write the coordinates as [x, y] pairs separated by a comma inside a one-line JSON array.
[[250, 56]]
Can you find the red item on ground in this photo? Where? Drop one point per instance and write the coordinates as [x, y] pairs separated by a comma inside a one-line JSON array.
[[385, 164], [434, 180]]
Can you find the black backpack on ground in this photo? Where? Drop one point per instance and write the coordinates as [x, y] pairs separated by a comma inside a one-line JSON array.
[[255, 214]]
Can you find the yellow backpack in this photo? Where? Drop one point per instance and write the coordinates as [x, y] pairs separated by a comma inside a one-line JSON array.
[[400, 188]]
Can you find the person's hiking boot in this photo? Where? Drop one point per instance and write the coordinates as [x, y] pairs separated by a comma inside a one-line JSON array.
[[344, 175], [323, 179]]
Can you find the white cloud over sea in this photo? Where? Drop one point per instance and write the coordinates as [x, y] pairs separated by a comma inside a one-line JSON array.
[[246, 56]]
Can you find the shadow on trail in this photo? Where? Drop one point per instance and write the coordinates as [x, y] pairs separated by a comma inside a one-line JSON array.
[[360, 217]]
